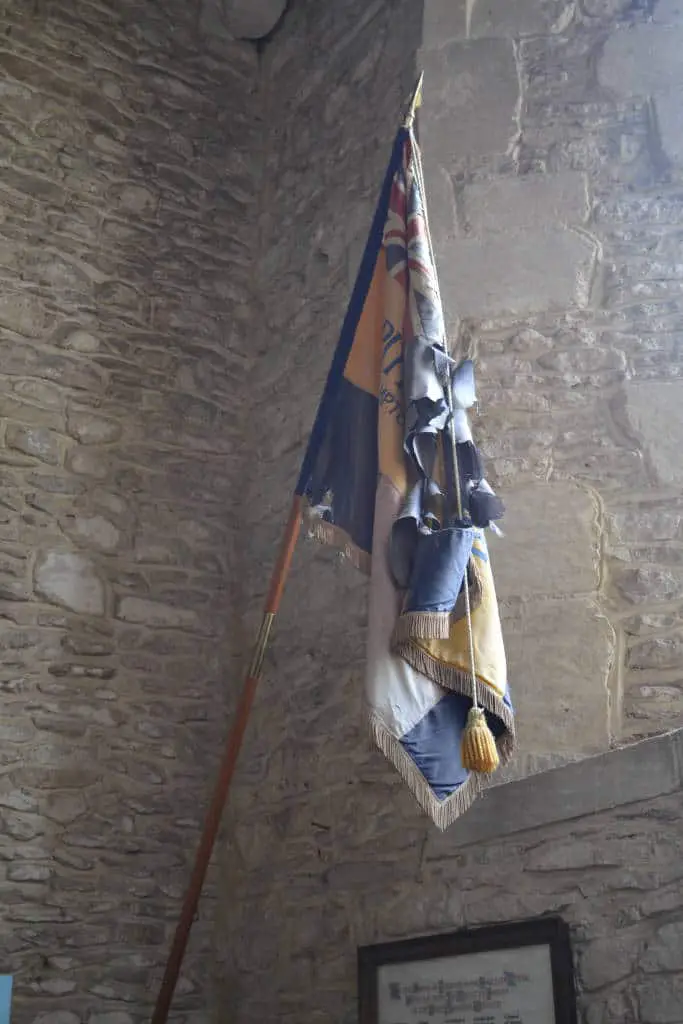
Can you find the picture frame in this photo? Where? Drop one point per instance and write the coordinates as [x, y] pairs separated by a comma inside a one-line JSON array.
[[517, 973]]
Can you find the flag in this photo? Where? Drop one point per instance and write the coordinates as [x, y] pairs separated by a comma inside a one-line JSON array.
[[393, 479]]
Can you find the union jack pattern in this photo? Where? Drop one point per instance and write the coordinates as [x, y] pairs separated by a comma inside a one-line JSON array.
[[409, 258]]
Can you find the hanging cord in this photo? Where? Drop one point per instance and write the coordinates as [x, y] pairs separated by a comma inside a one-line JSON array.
[[451, 406], [466, 582]]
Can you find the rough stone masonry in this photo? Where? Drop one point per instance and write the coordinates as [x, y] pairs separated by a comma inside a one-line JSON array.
[[180, 225], [552, 143], [128, 174], [553, 152]]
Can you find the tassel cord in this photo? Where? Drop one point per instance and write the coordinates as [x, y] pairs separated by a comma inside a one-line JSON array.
[[449, 397]]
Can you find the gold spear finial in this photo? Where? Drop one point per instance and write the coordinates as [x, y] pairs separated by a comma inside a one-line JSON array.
[[415, 102]]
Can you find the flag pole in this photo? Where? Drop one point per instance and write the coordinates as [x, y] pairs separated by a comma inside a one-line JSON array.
[[228, 763], [240, 722], [415, 101]]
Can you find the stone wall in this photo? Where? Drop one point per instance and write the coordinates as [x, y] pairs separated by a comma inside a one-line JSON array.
[[555, 197], [336, 76], [128, 169], [554, 163], [155, 401], [596, 842]]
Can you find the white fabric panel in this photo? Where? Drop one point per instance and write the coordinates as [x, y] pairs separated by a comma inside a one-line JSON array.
[[395, 692]]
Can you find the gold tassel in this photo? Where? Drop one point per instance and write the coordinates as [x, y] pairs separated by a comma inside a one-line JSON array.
[[479, 751]]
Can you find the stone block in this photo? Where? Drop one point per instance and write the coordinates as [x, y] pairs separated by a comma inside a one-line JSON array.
[[646, 583], [649, 709], [70, 728], [661, 999], [668, 12], [447, 20], [155, 613], [88, 463], [641, 60], [57, 1017], [22, 313], [444, 21], [664, 652], [89, 429], [21, 827], [513, 18], [56, 986], [665, 951], [64, 807], [553, 553], [653, 411], [13, 407], [644, 60], [534, 202], [16, 800], [94, 531], [134, 199], [606, 961], [581, 855], [668, 107], [37, 442], [560, 655], [470, 107], [47, 396], [70, 580], [516, 273], [648, 521], [79, 340], [111, 1017]]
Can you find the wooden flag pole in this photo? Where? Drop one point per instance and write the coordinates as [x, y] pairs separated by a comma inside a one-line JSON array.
[[227, 767], [239, 726]]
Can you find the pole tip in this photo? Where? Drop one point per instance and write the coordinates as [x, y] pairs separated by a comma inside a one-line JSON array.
[[415, 102]]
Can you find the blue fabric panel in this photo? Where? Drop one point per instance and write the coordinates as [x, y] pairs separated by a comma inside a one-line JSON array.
[[434, 743], [347, 464], [438, 570], [348, 332]]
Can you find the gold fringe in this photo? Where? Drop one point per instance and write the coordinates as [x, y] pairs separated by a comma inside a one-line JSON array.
[[452, 678], [421, 626], [436, 625], [328, 533], [442, 812]]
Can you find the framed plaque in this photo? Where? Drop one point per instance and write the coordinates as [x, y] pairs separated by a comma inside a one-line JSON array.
[[506, 974]]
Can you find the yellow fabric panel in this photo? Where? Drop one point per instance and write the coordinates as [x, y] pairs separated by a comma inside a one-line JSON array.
[[489, 650], [392, 461], [375, 364]]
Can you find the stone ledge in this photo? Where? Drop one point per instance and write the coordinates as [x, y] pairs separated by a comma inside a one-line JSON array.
[[642, 771]]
